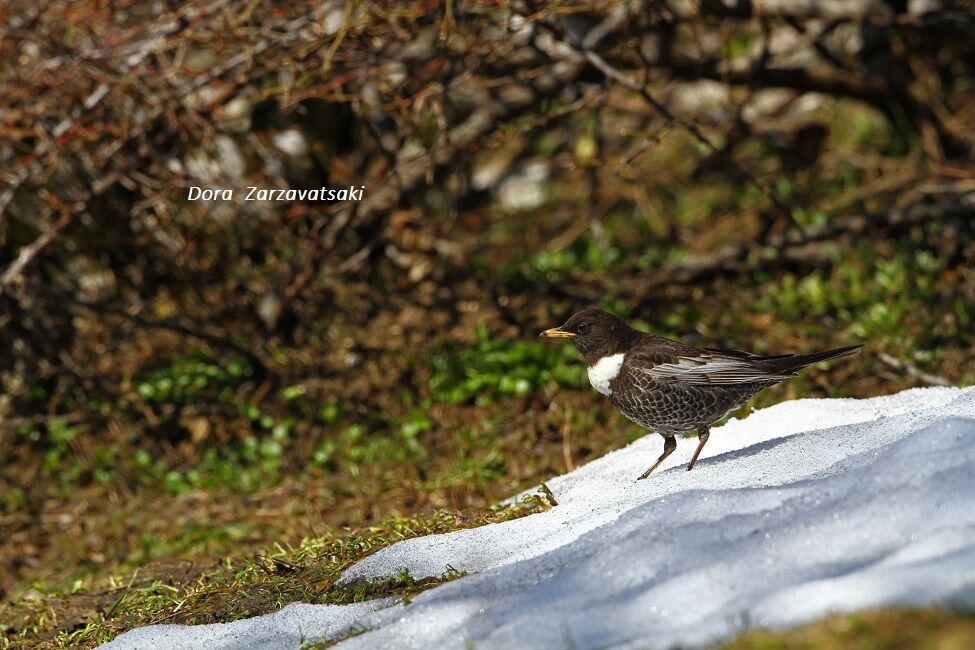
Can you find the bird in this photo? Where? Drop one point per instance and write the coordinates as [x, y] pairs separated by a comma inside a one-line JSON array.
[[669, 387]]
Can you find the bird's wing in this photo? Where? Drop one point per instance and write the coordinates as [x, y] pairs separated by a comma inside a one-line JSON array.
[[705, 367]]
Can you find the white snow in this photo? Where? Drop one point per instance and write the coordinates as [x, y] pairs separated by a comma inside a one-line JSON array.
[[291, 627], [801, 509]]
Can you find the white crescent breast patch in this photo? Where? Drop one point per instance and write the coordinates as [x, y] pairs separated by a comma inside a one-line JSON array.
[[604, 371]]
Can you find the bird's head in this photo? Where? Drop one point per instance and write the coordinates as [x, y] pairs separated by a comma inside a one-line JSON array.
[[595, 333]]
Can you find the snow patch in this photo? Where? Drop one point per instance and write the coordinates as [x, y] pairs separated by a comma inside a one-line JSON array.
[[801, 509], [291, 627]]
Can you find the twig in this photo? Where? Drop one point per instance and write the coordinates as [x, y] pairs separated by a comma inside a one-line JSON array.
[[34, 420], [734, 259], [913, 371], [585, 49], [224, 342], [171, 25], [29, 252], [413, 169], [567, 445]]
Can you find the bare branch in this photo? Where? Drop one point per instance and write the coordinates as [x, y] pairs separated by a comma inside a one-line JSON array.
[[31, 251], [913, 371]]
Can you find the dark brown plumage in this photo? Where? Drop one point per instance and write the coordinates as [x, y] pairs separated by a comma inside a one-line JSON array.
[[672, 388]]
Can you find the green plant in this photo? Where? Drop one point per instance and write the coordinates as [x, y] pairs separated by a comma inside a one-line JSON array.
[[492, 369], [584, 254], [189, 379]]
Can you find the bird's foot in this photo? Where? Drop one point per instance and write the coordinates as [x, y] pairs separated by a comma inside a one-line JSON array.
[[646, 473]]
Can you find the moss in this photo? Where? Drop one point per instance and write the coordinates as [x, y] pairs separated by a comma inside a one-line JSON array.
[[893, 629], [233, 590]]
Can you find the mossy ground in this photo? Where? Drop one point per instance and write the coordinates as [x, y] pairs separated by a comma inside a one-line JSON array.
[[895, 629], [230, 590]]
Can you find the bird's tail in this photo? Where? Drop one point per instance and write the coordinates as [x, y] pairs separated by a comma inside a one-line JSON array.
[[793, 363]]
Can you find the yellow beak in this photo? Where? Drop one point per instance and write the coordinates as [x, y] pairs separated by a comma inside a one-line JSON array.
[[556, 333]]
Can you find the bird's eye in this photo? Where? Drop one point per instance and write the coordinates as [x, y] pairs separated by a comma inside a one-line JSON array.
[[582, 328]]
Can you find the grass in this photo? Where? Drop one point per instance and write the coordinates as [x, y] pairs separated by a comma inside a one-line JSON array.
[[188, 389], [892, 629], [269, 580]]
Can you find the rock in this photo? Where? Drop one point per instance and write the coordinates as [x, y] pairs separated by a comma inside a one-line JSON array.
[[291, 142], [527, 188], [221, 160]]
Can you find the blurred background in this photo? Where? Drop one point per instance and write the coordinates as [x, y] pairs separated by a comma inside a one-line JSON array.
[[184, 382]]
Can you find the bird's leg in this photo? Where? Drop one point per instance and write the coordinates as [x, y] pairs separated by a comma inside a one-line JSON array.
[[702, 437], [670, 444]]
